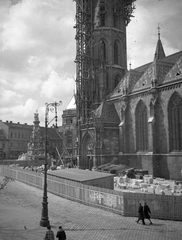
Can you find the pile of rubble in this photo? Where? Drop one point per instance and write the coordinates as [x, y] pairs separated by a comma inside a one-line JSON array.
[[148, 185]]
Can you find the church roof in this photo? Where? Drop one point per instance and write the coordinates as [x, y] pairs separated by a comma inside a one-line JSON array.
[[159, 52], [107, 112], [128, 82], [175, 72], [161, 70]]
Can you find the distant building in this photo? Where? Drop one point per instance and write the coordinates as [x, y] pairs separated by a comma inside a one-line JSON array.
[[69, 133], [3, 144], [16, 138]]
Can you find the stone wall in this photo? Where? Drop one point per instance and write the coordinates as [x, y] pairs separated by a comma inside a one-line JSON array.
[[168, 166]]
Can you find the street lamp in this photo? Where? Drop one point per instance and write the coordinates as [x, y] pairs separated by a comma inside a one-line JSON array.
[[44, 222]]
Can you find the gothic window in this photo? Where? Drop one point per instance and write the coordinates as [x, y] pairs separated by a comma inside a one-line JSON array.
[[103, 50], [116, 14], [116, 53], [141, 127], [175, 123], [107, 82], [122, 114], [68, 137], [102, 13], [116, 81]]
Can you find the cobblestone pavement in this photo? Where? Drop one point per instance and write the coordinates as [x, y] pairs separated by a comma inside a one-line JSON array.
[[20, 213]]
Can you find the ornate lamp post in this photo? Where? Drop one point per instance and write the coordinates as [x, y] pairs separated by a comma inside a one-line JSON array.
[[44, 222]]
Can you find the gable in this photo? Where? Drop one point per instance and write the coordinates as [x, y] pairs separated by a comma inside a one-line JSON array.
[[175, 72]]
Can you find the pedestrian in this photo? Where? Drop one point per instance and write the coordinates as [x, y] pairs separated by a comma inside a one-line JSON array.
[[49, 234], [140, 214], [147, 212], [61, 235]]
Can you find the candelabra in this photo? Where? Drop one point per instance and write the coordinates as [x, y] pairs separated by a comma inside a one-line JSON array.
[[44, 222]]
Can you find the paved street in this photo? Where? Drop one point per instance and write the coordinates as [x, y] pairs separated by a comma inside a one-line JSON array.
[[20, 213]]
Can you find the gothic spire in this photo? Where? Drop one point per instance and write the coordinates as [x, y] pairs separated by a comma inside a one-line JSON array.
[[159, 52]]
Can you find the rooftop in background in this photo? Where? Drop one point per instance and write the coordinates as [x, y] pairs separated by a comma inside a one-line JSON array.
[[79, 175], [14, 124], [72, 104]]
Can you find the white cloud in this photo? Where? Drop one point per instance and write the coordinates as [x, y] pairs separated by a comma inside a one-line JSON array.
[[26, 110], [9, 98], [36, 45], [20, 112], [142, 32], [57, 86], [38, 49], [27, 85]]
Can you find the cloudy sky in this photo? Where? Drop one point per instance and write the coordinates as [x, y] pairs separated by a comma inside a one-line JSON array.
[[37, 50]]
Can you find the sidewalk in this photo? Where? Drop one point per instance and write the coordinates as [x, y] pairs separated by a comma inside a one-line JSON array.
[[20, 214]]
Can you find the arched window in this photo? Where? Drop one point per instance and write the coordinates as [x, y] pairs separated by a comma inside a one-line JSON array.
[[116, 53], [141, 127], [103, 50], [116, 14], [175, 123], [116, 81], [107, 82], [102, 11]]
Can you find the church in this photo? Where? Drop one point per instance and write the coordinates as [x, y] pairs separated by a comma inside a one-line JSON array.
[[131, 117]]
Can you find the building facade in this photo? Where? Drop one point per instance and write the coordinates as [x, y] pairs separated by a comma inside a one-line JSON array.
[[18, 140], [135, 119], [148, 102], [69, 134], [101, 62]]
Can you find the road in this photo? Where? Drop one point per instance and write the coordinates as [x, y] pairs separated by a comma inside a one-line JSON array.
[[20, 214]]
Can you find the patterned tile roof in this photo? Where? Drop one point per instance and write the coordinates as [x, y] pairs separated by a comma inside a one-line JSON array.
[[161, 70], [175, 72], [126, 84], [107, 112]]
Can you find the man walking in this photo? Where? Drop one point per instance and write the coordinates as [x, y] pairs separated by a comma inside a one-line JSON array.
[[147, 212], [49, 234], [140, 214], [61, 235]]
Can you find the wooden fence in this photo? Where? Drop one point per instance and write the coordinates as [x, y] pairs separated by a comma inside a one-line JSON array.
[[123, 203]]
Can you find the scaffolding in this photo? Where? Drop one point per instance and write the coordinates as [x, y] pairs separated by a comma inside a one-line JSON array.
[[84, 59], [86, 13]]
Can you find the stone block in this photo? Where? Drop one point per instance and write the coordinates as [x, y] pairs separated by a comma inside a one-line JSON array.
[[151, 189], [168, 192]]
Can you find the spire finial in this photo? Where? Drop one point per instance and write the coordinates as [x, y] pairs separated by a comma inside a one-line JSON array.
[[158, 31], [130, 66]]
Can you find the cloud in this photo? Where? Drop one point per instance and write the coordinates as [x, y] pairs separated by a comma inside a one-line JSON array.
[[20, 111], [26, 110], [142, 32], [37, 50], [27, 85], [57, 86], [9, 98]]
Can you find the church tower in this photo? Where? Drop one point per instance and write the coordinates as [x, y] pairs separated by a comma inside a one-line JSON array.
[[109, 47], [101, 57]]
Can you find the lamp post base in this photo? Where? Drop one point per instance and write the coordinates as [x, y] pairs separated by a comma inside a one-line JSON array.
[[44, 222]]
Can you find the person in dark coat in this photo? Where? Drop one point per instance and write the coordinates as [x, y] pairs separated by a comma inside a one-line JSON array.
[[61, 235], [147, 212], [140, 214]]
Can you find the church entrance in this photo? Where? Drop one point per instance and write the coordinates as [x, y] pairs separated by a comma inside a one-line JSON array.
[[87, 152]]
